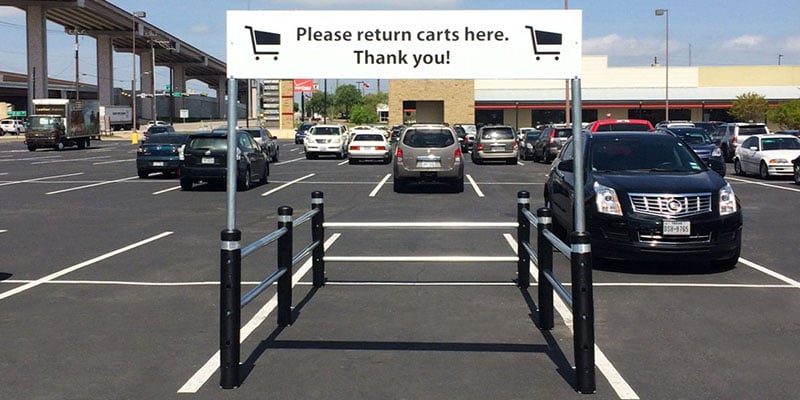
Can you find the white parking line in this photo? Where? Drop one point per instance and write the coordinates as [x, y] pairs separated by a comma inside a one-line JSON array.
[[287, 184], [791, 189], [3, 230], [76, 267], [770, 272], [167, 190], [113, 162], [380, 185], [29, 158], [204, 373], [70, 160], [618, 383], [92, 185], [475, 186], [288, 161], [39, 179], [344, 162]]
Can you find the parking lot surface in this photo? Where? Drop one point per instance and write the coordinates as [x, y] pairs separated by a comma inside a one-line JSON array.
[[109, 289]]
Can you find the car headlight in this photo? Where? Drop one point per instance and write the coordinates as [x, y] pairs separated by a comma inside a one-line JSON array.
[[779, 161], [717, 152], [606, 200], [727, 200], [528, 145]]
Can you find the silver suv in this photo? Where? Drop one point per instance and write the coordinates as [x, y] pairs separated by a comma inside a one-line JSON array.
[[495, 142], [729, 136], [428, 153]]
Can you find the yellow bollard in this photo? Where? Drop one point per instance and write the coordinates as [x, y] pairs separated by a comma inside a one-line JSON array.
[[134, 138]]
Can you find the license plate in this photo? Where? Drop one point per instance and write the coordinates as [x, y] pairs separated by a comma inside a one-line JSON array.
[[677, 228], [158, 163], [427, 164], [207, 160]]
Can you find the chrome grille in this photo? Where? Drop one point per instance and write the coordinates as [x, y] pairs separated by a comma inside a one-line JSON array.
[[671, 205], [661, 239]]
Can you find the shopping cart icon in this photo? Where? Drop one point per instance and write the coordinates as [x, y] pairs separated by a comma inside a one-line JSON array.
[[545, 43], [264, 42]]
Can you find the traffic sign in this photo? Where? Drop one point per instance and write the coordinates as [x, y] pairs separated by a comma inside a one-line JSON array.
[[17, 113]]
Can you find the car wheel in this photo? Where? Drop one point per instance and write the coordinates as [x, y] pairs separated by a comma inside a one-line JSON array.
[[31, 148], [59, 146], [797, 174], [186, 184], [763, 171], [265, 174], [245, 182], [308, 156], [727, 154], [351, 161], [459, 184], [512, 161], [737, 167], [142, 174], [275, 157], [399, 185]]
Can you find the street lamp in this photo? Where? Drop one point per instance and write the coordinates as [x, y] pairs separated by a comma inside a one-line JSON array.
[[134, 15], [779, 58], [665, 13]]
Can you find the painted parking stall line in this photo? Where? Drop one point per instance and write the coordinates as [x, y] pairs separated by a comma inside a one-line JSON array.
[[747, 181], [70, 160], [39, 179], [92, 185], [76, 267], [380, 185], [287, 184], [475, 186]]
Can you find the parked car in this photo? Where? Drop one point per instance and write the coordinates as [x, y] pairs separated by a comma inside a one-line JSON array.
[[675, 124], [729, 135], [153, 123], [267, 140], [767, 155], [394, 134], [493, 142], [611, 125], [550, 141], [301, 132], [428, 153], [796, 167], [11, 126], [470, 130], [526, 145], [156, 129], [160, 153], [205, 159], [367, 145], [700, 141], [793, 132], [709, 127], [325, 139], [648, 197]]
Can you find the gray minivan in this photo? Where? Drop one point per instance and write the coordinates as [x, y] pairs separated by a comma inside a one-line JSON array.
[[428, 153], [495, 142]]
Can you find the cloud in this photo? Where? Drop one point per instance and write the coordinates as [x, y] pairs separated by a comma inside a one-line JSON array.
[[615, 44], [792, 44], [744, 41]]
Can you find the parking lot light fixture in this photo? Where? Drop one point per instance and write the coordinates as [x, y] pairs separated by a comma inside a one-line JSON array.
[[134, 16], [665, 13]]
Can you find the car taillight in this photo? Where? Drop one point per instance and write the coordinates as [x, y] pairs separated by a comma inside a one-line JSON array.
[[380, 148], [399, 154], [552, 137], [355, 148], [480, 146], [457, 154]]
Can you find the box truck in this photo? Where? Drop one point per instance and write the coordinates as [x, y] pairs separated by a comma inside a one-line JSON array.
[[115, 118], [60, 123]]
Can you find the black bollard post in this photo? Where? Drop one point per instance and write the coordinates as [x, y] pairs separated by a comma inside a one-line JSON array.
[[230, 315], [545, 251], [285, 262], [523, 236], [318, 236], [583, 311]]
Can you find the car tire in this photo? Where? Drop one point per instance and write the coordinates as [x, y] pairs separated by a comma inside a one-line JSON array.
[[245, 183], [512, 161], [797, 174], [458, 185], [275, 157], [351, 161], [142, 174], [186, 184], [59, 146], [31, 148], [763, 171], [265, 175], [308, 156], [737, 167], [398, 185]]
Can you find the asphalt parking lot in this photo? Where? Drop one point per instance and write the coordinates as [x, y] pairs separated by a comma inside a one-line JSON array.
[[109, 289]]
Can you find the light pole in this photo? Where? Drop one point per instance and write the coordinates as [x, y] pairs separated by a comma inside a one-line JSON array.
[[134, 15], [665, 13], [153, 76], [779, 58]]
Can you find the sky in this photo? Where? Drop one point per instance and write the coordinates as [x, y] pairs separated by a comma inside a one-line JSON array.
[[701, 32]]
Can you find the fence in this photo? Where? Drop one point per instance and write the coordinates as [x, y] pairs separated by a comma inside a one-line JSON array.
[[579, 254]]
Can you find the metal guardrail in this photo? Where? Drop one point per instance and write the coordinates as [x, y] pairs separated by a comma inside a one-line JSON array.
[[231, 300], [580, 301]]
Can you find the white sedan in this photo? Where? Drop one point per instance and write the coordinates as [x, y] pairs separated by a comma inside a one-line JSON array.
[[369, 146], [767, 155]]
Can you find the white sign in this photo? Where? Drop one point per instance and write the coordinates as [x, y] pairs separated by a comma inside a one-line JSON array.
[[184, 113], [429, 44]]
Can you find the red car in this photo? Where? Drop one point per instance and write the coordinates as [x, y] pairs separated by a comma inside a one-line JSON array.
[[609, 125]]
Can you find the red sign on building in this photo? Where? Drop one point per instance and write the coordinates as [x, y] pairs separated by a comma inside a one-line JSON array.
[[303, 85]]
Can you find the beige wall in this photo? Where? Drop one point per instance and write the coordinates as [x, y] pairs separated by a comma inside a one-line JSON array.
[[287, 104], [458, 97], [767, 75]]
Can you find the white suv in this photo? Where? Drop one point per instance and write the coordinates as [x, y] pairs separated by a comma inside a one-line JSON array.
[[12, 126], [732, 134], [325, 139]]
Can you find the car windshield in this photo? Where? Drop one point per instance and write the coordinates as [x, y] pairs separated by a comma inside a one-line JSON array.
[[635, 154], [209, 143], [497, 133], [780, 144], [428, 137], [325, 130], [255, 133], [692, 135], [368, 137], [166, 139]]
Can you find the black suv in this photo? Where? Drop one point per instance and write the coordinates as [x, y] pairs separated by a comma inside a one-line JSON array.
[[205, 159], [649, 197]]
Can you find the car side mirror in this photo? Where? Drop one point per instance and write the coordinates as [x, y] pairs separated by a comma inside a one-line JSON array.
[[567, 165]]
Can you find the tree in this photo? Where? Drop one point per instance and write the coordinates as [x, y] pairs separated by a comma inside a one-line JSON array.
[[347, 96], [749, 107], [317, 102], [786, 114], [362, 114], [373, 99]]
